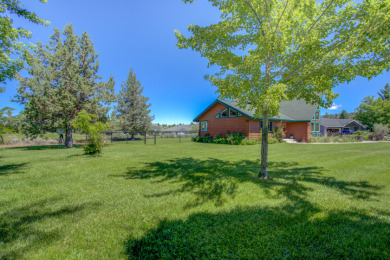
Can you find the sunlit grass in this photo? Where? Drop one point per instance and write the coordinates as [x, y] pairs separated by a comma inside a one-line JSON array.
[[183, 200]]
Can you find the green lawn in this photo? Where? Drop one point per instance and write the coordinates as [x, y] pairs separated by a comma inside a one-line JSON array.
[[194, 200]]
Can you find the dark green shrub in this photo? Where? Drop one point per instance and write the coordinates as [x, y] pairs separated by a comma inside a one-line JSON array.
[[278, 134], [235, 138], [273, 140], [219, 139], [249, 141]]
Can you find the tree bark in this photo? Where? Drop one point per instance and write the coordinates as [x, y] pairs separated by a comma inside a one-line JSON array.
[[132, 136], [264, 147], [68, 137]]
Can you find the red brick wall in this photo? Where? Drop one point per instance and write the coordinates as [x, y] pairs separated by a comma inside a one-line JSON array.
[[249, 127], [300, 130], [222, 125]]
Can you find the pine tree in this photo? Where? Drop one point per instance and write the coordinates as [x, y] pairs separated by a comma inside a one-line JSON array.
[[384, 94], [326, 115], [63, 82], [132, 109], [343, 115]]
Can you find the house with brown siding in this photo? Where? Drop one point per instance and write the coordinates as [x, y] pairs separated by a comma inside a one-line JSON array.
[[302, 120]]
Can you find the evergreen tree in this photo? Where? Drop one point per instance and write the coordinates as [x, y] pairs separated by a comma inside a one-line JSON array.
[[326, 115], [385, 93], [343, 115], [63, 82], [132, 109]]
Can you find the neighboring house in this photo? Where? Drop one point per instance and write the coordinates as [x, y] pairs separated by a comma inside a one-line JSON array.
[[336, 126], [155, 128], [179, 129], [302, 120]]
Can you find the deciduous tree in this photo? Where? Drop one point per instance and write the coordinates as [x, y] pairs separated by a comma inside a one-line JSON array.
[[13, 51], [64, 80], [270, 50]]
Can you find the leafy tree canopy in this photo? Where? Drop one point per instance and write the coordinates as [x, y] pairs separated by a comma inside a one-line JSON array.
[[10, 37], [269, 50]]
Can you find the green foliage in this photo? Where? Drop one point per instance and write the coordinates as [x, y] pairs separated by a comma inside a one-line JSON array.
[[250, 141], [13, 52], [267, 51], [219, 139], [373, 111], [278, 134], [343, 115], [234, 138], [385, 93], [87, 123], [63, 81], [3, 124], [273, 140], [132, 110], [381, 129]]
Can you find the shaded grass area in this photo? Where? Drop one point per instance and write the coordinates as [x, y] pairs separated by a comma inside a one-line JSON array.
[[193, 200]]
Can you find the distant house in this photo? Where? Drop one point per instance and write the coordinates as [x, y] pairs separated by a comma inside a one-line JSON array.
[[155, 128], [179, 129], [302, 119], [336, 126]]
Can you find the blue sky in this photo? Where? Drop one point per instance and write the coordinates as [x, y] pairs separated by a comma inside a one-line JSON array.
[[140, 34]]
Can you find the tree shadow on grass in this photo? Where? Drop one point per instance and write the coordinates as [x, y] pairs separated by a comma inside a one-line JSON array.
[[214, 180], [12, 168], [44, 147], [20, 231], [266, 232]]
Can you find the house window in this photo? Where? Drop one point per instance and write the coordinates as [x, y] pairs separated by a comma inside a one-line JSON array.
[[204, 125], [317, 115], [317, 126], [270, 126], [356, 128], [232, 113], [224, 113]]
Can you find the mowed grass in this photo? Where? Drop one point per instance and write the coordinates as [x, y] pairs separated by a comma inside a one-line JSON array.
[[194, 200]]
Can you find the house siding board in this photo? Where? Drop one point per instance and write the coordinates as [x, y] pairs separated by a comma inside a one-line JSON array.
[[222, 125]]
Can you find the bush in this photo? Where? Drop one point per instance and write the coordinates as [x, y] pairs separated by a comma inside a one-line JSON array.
[[358, 132], [86, 123], [249, 141], [375, 137], [273, 140], [278, 134], [235, 138], [95, 145], [381, 129], [219, 139]]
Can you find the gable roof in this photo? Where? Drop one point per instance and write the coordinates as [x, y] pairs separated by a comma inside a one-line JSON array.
[[290, 110], [178, 128], [329, 122]]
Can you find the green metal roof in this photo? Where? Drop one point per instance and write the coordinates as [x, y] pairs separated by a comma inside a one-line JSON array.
[[290, 110]]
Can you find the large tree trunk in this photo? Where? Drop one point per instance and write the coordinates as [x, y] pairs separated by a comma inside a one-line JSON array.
[[264, 147], [132, 136], [68, 137]]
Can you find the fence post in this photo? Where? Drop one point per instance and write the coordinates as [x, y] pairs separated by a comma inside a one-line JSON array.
[[145, 138], [155, 137]]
